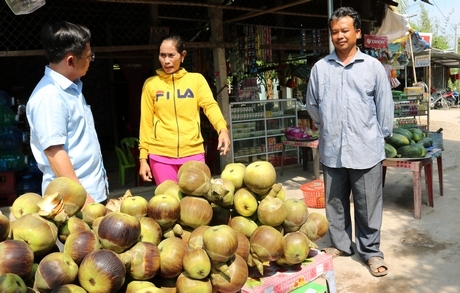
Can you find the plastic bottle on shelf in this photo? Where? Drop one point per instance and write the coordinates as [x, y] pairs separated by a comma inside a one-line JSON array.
[[24, 185], [11, 160], [28, 184], [8, 118]]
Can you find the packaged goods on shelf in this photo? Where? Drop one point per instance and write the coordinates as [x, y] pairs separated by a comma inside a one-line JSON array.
[[415, 90], [11, 138], [11, 160]]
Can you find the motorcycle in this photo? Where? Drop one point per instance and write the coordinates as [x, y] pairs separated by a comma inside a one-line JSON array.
[[452, 98], [438, 99]]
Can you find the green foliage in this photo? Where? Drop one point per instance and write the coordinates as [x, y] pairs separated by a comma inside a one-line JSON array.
[[425, 23], [428, 24]]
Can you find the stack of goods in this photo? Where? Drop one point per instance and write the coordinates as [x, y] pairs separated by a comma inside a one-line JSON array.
[[11, 159], [11, 138], [300, 133], [407, 143], [199, 233]]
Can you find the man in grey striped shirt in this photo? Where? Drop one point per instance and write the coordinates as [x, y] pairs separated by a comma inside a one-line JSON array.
[[349, 98]]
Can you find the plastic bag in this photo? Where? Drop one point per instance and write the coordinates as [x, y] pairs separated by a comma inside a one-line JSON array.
[[24, 6]]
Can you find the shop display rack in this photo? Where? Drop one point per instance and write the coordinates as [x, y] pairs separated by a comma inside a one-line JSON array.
[[256, 130], [409, 107]]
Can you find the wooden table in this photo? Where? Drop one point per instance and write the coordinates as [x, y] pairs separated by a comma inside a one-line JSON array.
[[313, 145], [416, 166]]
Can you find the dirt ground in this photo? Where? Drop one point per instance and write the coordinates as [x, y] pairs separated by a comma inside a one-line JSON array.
[[422, 255]]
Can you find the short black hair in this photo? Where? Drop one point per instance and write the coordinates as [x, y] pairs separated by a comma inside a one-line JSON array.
[[343, 12], [63, 37]]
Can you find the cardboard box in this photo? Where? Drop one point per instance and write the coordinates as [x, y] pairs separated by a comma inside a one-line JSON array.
[[311, 287], [414, 90], [278, 279]]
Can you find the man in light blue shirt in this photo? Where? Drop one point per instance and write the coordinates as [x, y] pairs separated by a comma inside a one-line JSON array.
[[349, 98], [63, 138]]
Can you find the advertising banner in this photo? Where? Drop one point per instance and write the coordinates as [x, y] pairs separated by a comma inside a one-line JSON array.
[[376, 42]]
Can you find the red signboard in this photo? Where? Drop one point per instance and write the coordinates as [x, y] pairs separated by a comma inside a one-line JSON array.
[[426, 36], [376, 42]]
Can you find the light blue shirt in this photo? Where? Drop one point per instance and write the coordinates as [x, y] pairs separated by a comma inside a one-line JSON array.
[[353, 108], [58, 115]]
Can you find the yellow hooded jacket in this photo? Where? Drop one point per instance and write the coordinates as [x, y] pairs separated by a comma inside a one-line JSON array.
[[170, 123]]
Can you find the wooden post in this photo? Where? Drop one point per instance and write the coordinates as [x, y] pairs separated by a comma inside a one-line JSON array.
[[155, 22], [220, 67], [365, 14]]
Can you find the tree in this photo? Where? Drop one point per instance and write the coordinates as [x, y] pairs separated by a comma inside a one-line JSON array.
[[403, 6], [426, 24]]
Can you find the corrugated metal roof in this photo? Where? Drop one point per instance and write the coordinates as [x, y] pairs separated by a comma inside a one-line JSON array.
[[443, 58]]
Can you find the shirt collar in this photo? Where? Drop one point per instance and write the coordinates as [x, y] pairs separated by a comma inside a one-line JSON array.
[[358, 56], [63, 81]]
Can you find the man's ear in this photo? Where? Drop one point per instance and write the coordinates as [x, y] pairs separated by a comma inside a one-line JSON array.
[[70, 60], [358, 34]]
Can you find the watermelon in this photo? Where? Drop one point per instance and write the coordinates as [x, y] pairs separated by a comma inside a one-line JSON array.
[[425, 142], [417, 134], [412, 151], [404, 132], [390, 151], [397, 140]]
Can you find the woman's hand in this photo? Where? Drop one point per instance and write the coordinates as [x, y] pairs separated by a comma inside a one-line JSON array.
[[144, 170], [224, 142]]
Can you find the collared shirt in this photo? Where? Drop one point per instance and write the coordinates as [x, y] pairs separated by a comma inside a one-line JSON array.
[[352, 107], [58, 115]]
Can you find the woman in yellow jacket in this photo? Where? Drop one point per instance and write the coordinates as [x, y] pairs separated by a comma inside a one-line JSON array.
[[170, 127]]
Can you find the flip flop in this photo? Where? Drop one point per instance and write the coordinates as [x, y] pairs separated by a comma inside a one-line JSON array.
[[374, 264], [335, 252]]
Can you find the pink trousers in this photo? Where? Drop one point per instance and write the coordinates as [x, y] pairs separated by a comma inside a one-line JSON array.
[[164, 168]]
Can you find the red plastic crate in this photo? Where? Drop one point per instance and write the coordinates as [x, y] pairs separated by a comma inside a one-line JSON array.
[[290, 161], [7, 182], [7, 199]]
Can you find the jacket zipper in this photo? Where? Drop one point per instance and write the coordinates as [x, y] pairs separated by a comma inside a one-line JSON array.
[[175, 115]]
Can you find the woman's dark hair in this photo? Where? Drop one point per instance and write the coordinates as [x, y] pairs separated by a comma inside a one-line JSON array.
[[62, 38], [178, 41], [343, 12]]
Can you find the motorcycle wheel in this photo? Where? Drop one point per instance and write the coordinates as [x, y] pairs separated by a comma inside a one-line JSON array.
[[444, 104]]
